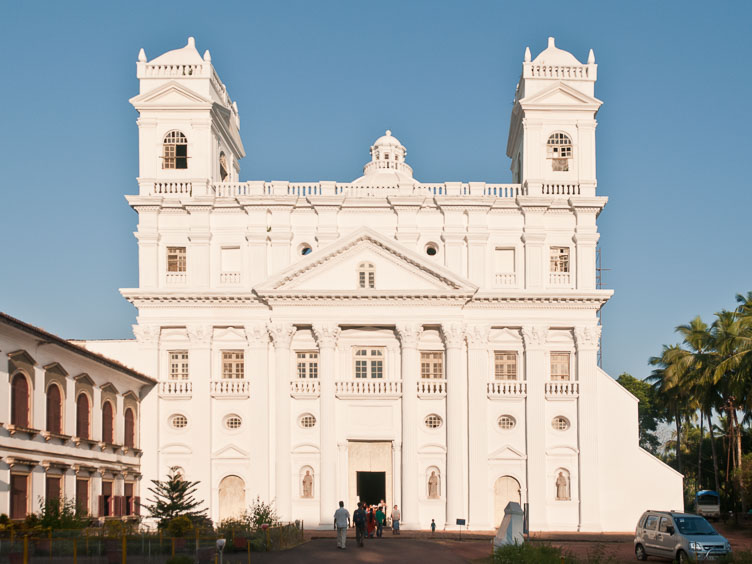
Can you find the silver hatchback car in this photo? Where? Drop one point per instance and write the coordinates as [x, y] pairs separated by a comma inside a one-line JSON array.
[[678, 536]]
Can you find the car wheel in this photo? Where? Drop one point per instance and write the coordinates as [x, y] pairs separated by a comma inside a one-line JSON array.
[[639, 552], [682, 558]]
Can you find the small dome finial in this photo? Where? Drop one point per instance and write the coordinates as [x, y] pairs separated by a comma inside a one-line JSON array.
[[527, 55], [388, 132], [591, 57], [142, 56], [191, 42], [551, 42], [207, 56]]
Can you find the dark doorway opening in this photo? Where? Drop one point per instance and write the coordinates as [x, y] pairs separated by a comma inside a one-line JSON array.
[[371, 487]]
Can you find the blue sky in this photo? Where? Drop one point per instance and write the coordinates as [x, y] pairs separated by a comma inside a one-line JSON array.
[[317, 82]]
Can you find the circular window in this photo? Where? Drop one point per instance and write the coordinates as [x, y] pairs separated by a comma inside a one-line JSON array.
[[305, 249], [432, 249], [307, 421], [433, 421], [233, 422], [506, 422], [178, 421], [560, 423]]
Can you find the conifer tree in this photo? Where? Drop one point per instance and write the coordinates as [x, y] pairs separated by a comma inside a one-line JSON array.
[[173, 497]]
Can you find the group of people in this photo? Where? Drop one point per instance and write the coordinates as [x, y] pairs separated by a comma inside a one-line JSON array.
[[368, 520]]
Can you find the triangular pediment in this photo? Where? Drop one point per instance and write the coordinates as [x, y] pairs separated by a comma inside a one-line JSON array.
[[169, 94], [507, 452], [56, 368], [230, 452], [334, 269], [561, 95]]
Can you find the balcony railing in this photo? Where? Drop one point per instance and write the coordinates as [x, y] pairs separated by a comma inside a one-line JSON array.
[[229, 278], [176, 278], [368, 389], [230, 388], [505, 279], [432, 388], [560, 279], [562, 390], [176, 389], [305, 388], [506, 389]]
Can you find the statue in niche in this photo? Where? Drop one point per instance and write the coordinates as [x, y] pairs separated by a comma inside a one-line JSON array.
[[433, 485], [308, 484], [562, 487]]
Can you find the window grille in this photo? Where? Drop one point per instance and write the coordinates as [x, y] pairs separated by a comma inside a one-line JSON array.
[[506, 422], [308, 364], [176, 259], [433, 421], [559, 259], [307, 421], [233, 422], [175, 151], [178, 421], [559, 366], [559, 150], [178, 365], [560, 423], [366, 275], [431, 364], [233, 364], [505, 365], [369, 363]]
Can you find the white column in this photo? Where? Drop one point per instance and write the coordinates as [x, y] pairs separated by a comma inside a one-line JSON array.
[[456, 422], [200, 375], [342, 478], [119, 420], [147, 337], [326, 337], [587, 339], [95, 490], [396, 478], [96, 414], [38, 486], [281, 334], [258, 414], [198, 254], [69, 484], [408, 336], [534, 338], [478, 376], [38, 415]]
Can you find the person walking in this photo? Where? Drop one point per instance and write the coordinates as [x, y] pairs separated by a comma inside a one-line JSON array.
[[341, 523], [380, 521], [359, 520], [371, 523], [396, 516]]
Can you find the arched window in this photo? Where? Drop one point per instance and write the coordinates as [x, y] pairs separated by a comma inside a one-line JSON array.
[[559, 150], [83, 416], [19, 402], [130, 428], [223, 170], [108, 423], [366, 275], [175, 150], [54, 409]]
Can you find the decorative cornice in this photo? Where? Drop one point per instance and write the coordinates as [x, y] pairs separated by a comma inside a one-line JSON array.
[[453, 335], [409, 334], [326, 335], [534, 336], [281, 334]]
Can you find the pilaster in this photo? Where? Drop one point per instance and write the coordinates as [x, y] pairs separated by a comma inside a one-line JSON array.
[[258, 347], [147, 337], [456, 422], [200, 373], [478, 375]]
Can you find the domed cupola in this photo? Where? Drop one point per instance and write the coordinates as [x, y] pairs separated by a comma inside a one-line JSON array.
[[387, 166]]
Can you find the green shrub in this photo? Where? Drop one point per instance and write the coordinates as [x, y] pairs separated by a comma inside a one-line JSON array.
[[179, 526], [527, 553]]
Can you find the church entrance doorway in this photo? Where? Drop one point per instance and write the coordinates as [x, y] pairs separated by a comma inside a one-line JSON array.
[[506, 489], [371, 487]]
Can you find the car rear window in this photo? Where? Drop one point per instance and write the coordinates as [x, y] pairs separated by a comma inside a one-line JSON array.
[[651, 522]]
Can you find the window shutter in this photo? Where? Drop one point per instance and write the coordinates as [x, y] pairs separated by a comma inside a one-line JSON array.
[[20, 401], [118, 500], [136, 506], [101, 506], [107, 434], [129, 429], [54, 410], [82, 416]]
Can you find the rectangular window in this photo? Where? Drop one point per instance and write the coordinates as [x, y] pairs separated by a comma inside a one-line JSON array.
[[308, 364], [19, 495], [105, 500], [52, 489], [504, 261], [233, 364], [368, 362], [230, 259], [505, 365], [559, 366], [178, 365], [176, 259], [128, 509], [82, 495], [431, 364], [559, 259]]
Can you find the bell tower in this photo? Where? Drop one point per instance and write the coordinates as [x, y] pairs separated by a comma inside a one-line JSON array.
[[189, 128], [552, 130]]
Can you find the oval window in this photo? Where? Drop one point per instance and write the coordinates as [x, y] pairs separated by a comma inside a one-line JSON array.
[[433, 421], [560, 423], [506, 422], [178, 421]]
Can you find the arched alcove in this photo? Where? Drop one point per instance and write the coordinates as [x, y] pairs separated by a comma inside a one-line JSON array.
[[231, 497], [506, 489]]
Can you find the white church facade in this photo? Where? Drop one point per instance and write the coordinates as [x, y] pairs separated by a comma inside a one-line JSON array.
[[430, 344]]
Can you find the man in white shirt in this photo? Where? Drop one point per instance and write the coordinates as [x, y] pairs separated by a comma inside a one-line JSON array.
[[341, 523]]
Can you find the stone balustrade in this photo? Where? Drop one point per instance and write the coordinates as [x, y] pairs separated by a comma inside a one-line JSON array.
[[184, 188], [176, 278], [230, 388], [562, 390], [560, 279], [559, 189], [563, 72], [505, 280], [176, 389], [499, 389], [432, 388], [229, 278], [305, 388], [368, 389]]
